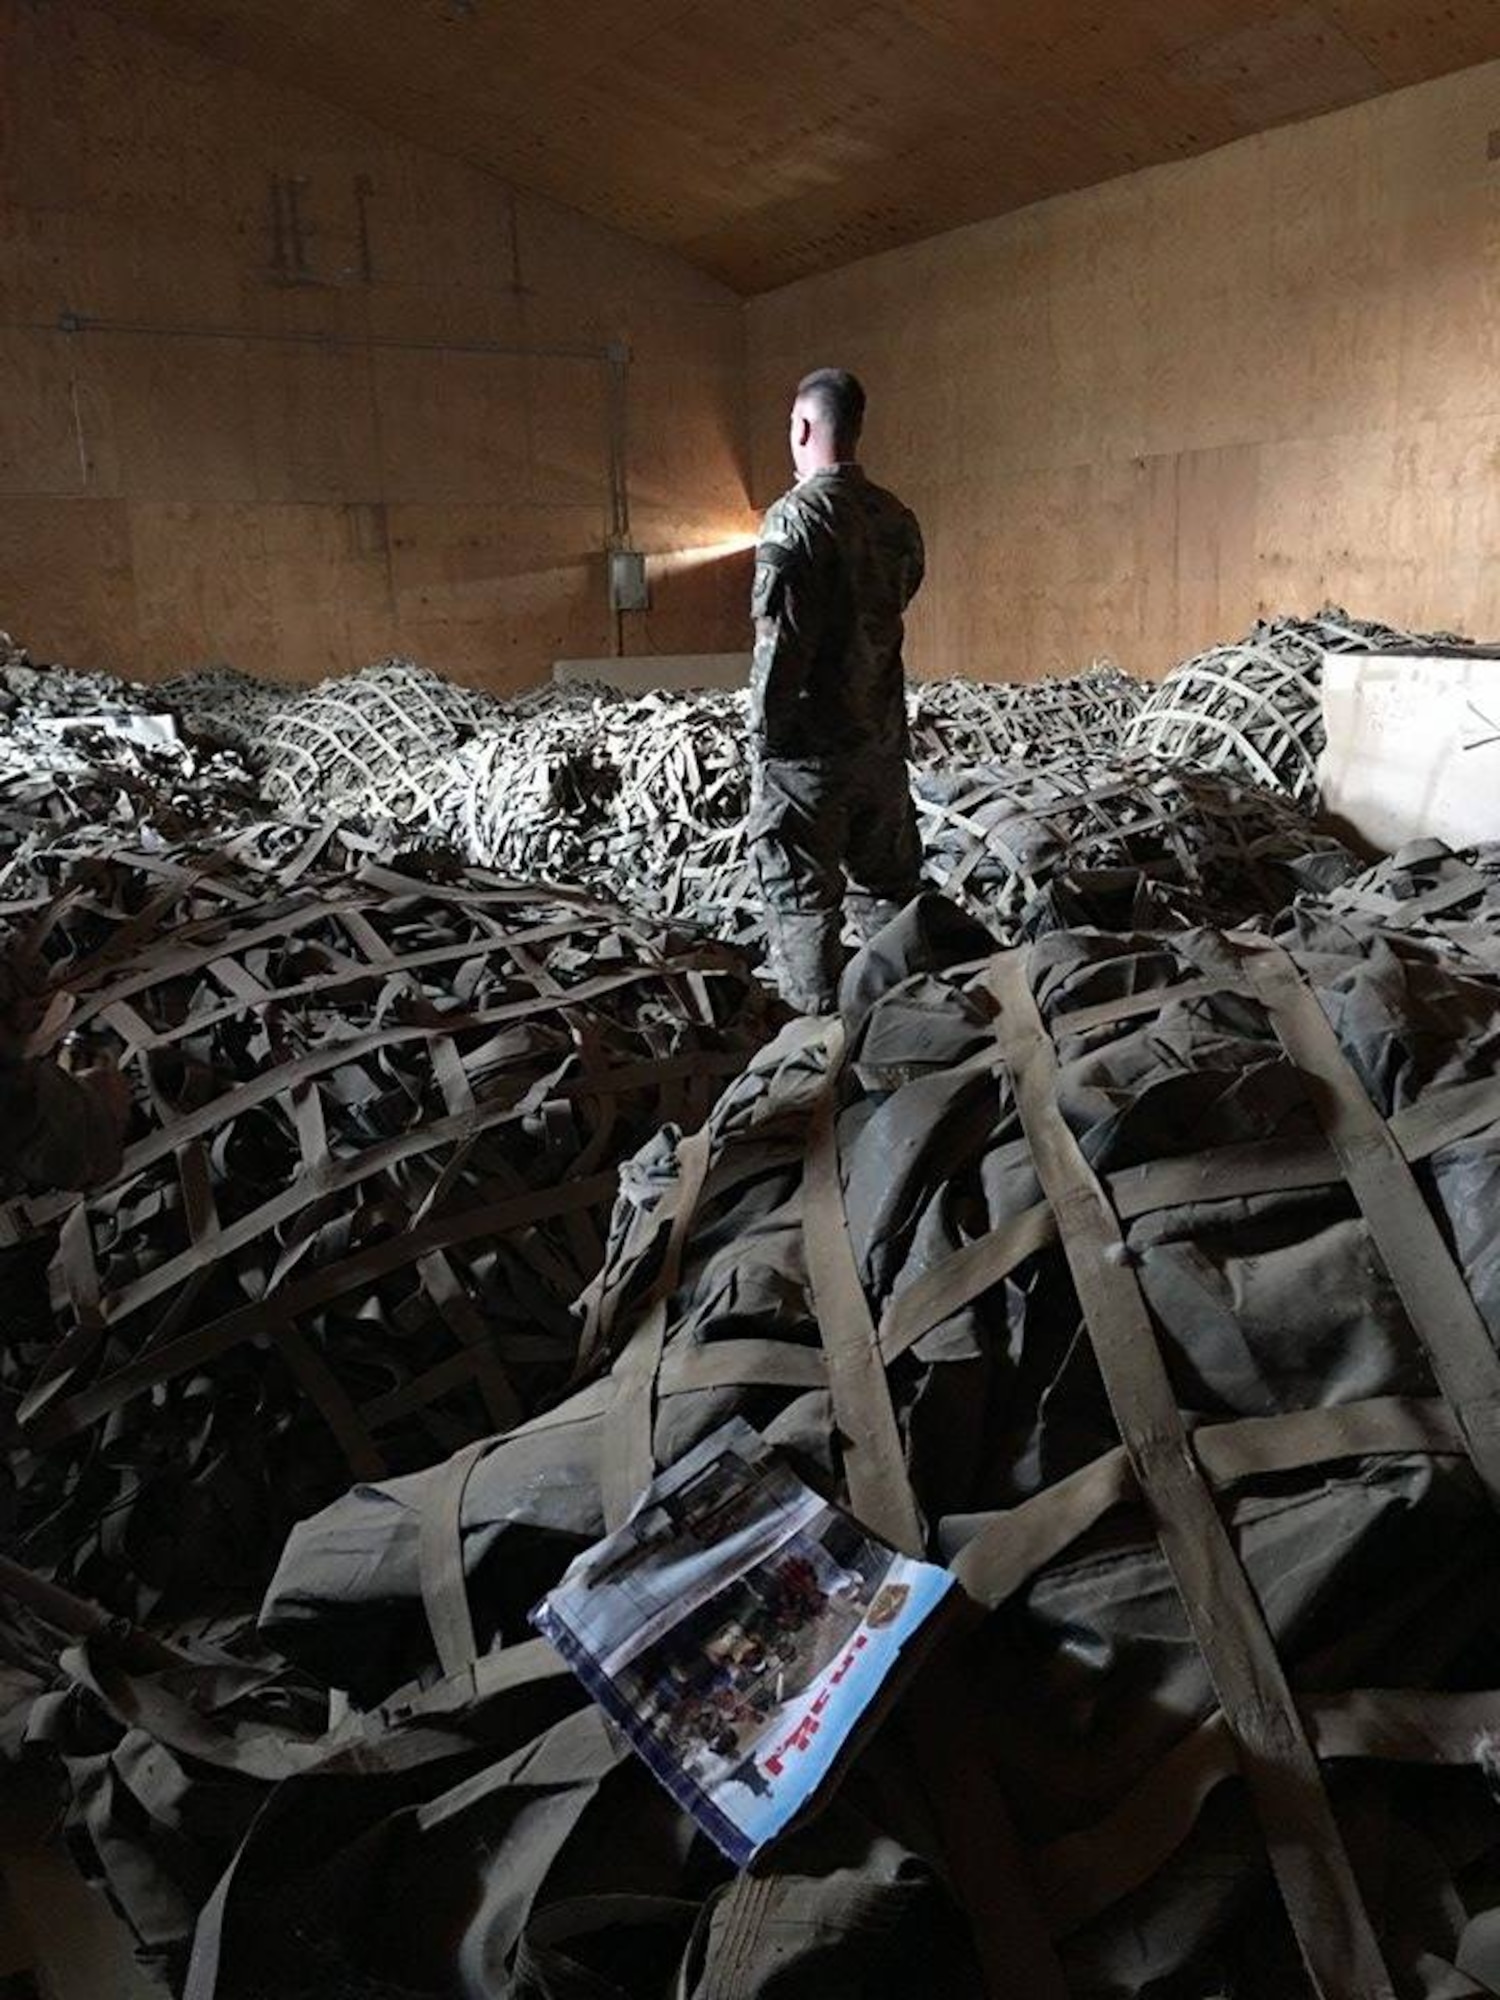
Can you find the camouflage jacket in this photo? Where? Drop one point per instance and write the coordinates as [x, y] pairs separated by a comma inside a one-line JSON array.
[[838, 561]]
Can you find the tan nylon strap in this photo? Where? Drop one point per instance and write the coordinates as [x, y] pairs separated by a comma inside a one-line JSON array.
[[742, 1364], [271, 1084], [1432, 1288], [283, 917], [1430, 903], [628, 1452], [577, 1751], [961, 1278], [1263, 1166], [1107, 1013], [492, 1674], [1083, 1873], [1444, 1116], [347, 974], [1307, 1853], [1254, 1167], [1377, 1427], [192, 1350], [452, 1372], [141, 1701], [309, 852], [607, 1296], [322, 1176], [481, 1356], [880, 1493], [80, 1618], [440, 1560], [327, 1394], [1009, 1549]]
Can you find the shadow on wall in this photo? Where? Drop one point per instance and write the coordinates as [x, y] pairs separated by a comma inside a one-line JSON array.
[[501, 625], [327, 601], [693, 591]]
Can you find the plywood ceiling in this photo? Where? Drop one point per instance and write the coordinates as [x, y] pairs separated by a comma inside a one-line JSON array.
[[766, 139]]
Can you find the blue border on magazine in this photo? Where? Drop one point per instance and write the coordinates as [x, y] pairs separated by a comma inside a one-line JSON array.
[[721, 1830]]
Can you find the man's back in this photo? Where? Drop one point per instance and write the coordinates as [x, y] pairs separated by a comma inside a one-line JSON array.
[[832, 827], [839, 560]]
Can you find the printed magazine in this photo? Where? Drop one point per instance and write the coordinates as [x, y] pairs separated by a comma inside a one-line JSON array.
[[738, 1628]]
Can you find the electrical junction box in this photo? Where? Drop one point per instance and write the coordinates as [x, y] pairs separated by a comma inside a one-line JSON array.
[[628, 589]]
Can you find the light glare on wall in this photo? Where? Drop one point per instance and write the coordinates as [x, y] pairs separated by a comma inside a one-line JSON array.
[[706, 552]]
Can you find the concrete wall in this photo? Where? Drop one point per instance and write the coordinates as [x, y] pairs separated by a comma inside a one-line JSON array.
[[1133, 418], [304, 508]]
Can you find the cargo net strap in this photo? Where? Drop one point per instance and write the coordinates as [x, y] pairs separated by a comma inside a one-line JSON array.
[[1081, 1875], [994, 837], [1279, 1765], [138, 1262], [1264, 1732], [982, 1848], [1411, 1246], [852, 1362], [1241, 706], [1255, 707], [962, 721], [1273, 1738], [874, 1460], [980, 1843]]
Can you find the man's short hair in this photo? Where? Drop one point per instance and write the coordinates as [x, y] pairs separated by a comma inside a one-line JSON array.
[[840, 401]]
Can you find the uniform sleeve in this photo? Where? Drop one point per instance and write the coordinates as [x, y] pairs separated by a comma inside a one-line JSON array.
[[787, 606], [916, 566]]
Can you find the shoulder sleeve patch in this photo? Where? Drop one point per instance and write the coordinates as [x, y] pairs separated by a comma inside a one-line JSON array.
[[773, 561]]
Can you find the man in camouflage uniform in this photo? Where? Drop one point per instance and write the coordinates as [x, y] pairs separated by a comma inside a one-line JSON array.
[[838, 561]]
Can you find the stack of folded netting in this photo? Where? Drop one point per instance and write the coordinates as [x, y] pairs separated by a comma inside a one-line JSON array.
[[1017, 787], [31, 688], [1152, 842], [645, 798], [370, 746], [960, 722], [639, 797], [1427, 894], [88, 761], [1254, 709], [1147, 1281], [226, 705]]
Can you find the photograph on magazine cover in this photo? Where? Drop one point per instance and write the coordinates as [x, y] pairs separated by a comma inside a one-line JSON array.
[[738, 1628]]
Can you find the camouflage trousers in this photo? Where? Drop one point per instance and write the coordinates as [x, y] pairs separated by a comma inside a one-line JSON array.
[[814, 822]]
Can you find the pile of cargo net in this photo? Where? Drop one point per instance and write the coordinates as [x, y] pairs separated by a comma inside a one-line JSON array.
[[1203, 783], [1125, 1245], [1198, 791], [1146, 1280], [375, 1122]]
